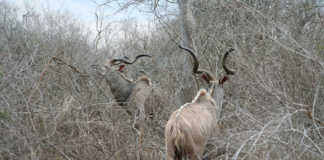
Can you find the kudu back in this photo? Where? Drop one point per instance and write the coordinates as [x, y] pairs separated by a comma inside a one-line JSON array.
[[188, 128]]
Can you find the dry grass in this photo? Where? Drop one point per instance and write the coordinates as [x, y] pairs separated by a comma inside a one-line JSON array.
[[273, 106]]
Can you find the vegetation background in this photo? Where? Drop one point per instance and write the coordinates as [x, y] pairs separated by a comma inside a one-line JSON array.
[[62, 109]]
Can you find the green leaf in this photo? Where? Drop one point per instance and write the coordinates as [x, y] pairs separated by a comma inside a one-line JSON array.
[[4, 115]]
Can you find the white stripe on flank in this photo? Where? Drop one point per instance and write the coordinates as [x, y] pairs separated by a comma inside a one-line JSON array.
[[181, 108]]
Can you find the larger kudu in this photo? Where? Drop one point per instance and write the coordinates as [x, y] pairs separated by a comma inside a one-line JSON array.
[[189, 127]]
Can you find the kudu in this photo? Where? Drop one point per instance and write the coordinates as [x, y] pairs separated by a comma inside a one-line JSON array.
[[141, 93], [189, 127], [120, 86]]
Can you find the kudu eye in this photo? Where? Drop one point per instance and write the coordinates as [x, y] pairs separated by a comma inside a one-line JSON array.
[[204, 77]]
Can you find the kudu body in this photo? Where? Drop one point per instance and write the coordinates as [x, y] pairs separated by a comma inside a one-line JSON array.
[[189, 127]]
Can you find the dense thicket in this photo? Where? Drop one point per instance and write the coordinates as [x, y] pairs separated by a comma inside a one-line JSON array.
[[55, 105]]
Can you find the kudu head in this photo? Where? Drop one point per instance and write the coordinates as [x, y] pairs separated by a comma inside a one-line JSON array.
[[206, 75]]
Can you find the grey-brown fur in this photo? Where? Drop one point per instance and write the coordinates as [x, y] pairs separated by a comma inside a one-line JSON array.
[[141, 90], [127, 92], [189, 128], [119, 87]]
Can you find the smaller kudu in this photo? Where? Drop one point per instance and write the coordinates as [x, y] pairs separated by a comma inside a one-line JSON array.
[[120, 86], [123, 89], [141, 92], [189, 127]]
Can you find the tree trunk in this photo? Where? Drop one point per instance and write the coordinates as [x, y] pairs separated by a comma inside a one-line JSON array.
[[187, 22]]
